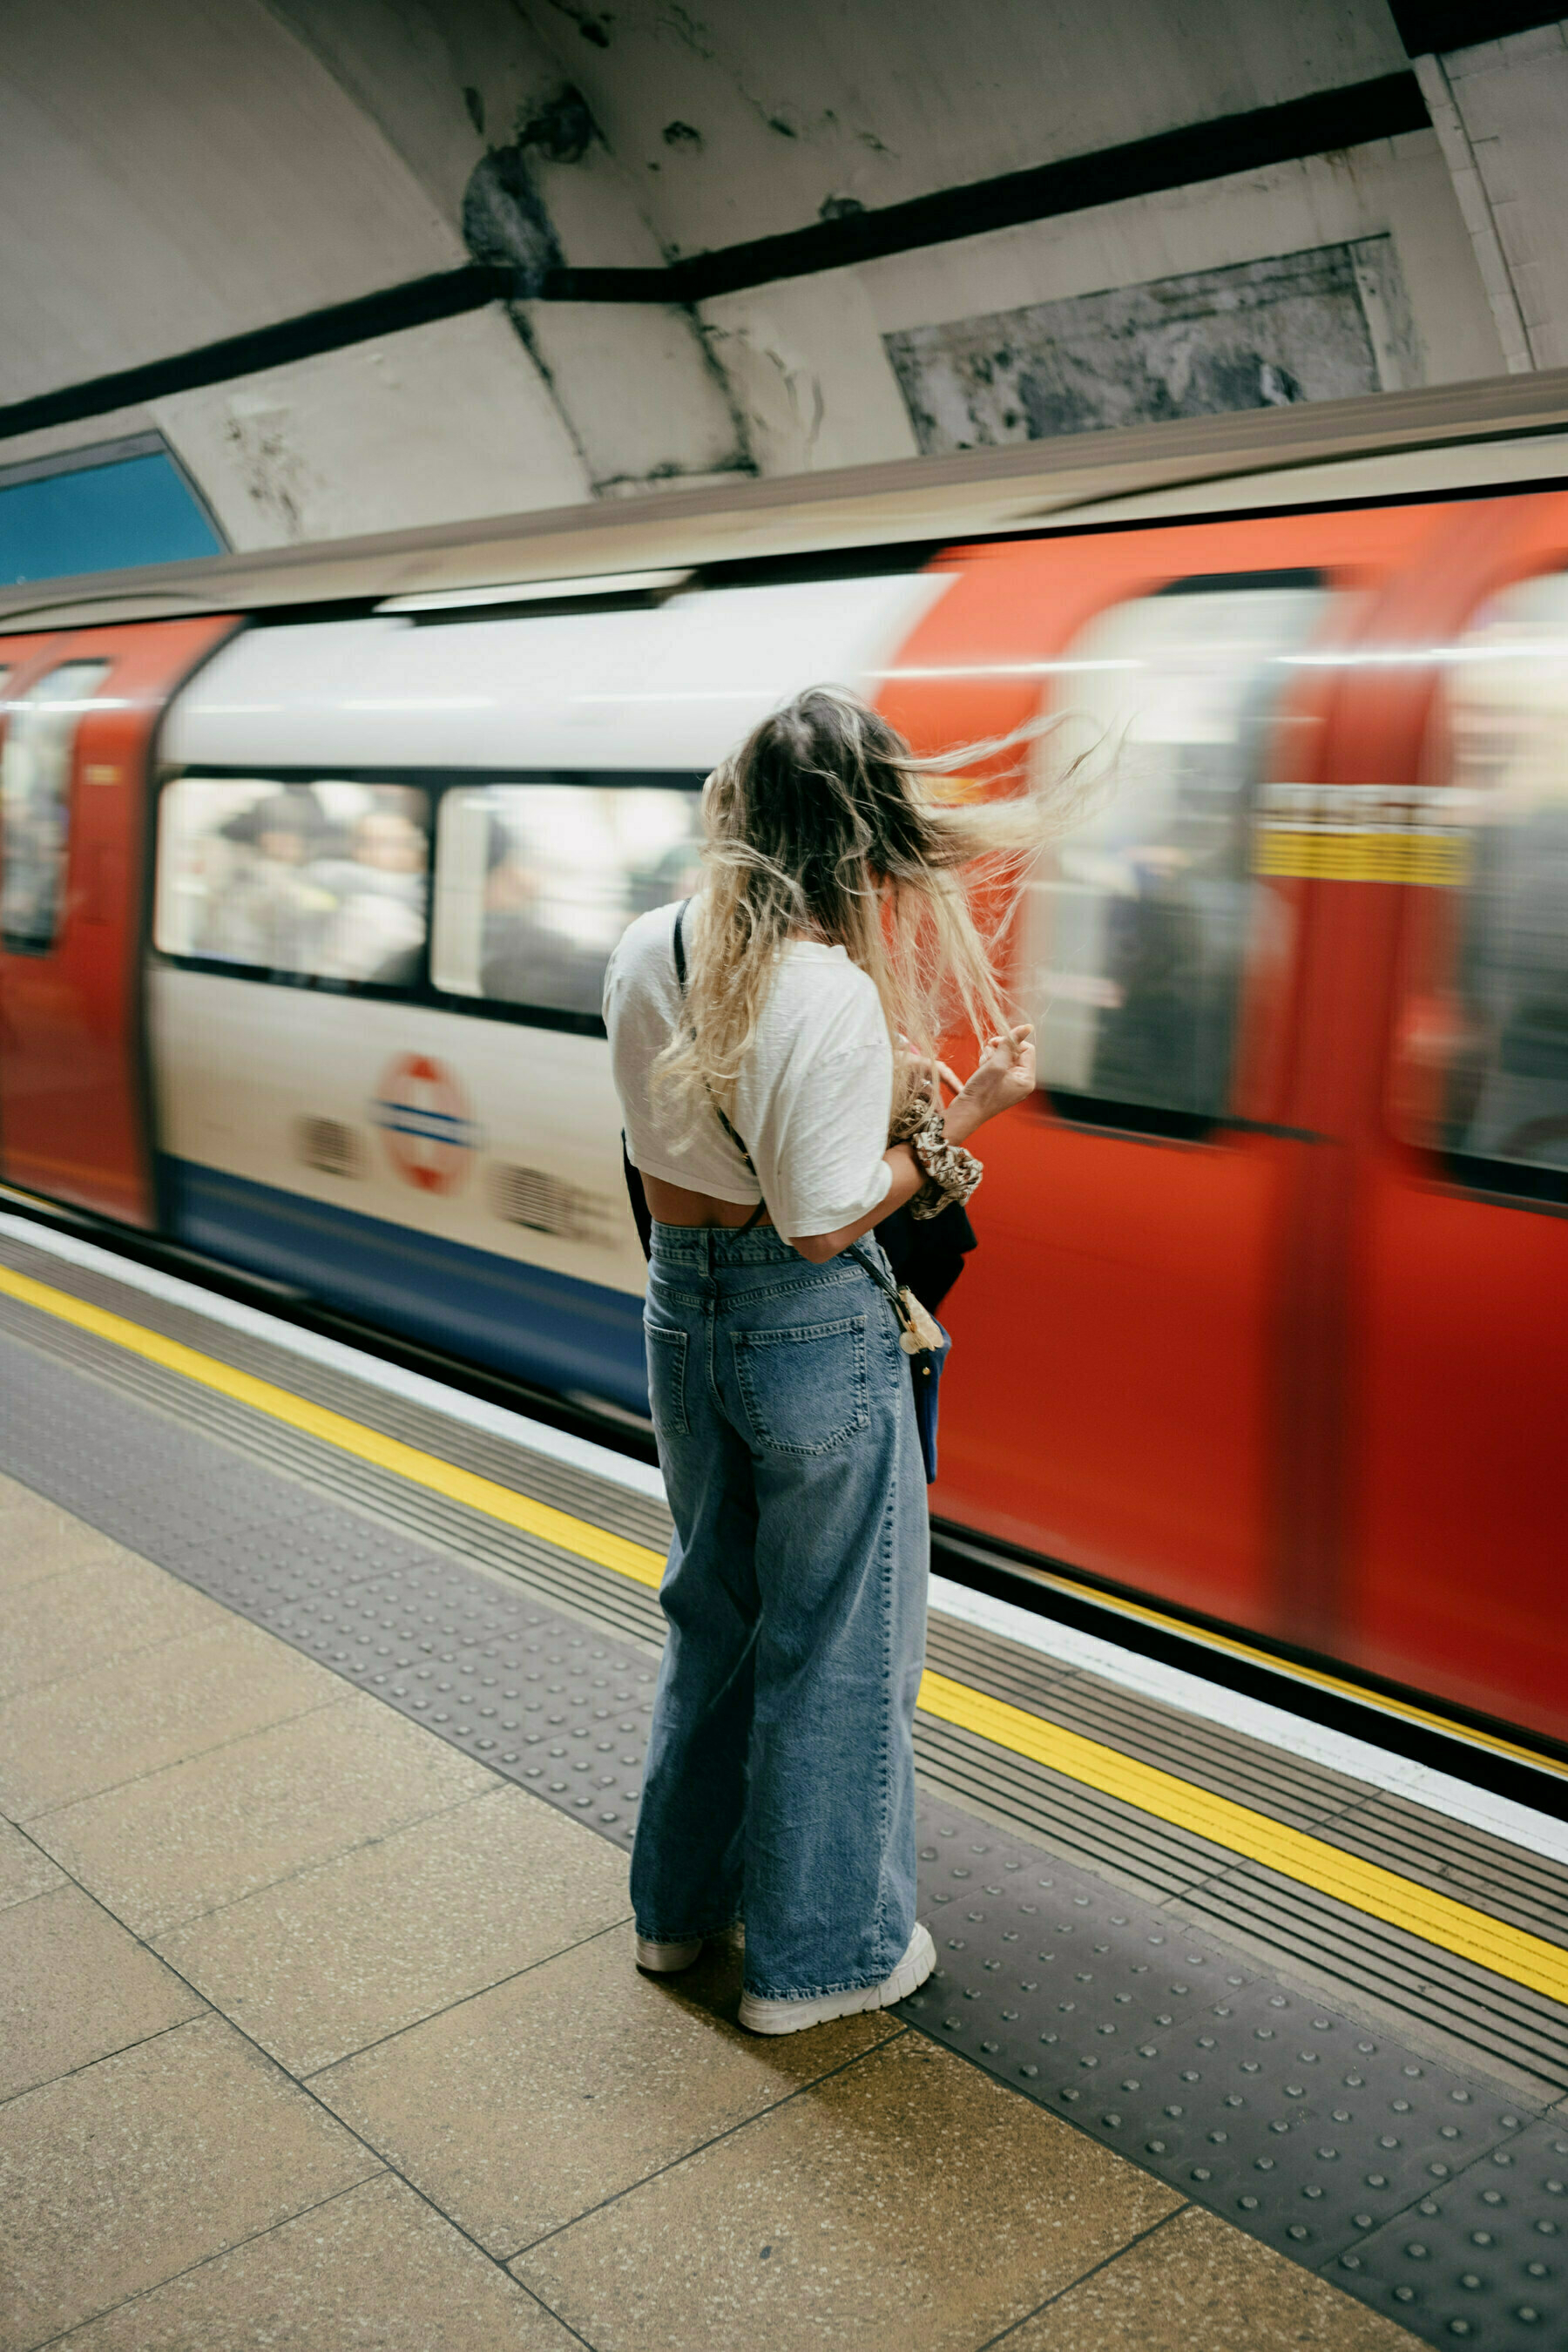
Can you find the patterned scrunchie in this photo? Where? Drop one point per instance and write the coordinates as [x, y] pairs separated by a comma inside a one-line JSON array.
[[952, 1174]]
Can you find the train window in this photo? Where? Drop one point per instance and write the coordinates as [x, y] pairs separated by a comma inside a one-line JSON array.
[[1136, 931], [325, 881], [1505, 1109], [535, 883], [35, 802]]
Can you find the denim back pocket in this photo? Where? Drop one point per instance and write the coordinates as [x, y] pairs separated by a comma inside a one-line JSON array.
[[667, 1378], [805, 1390]]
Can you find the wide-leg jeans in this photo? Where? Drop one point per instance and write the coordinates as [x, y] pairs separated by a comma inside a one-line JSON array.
[[780, 1779]]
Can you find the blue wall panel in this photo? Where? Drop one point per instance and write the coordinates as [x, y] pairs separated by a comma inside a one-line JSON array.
[[101, 518]]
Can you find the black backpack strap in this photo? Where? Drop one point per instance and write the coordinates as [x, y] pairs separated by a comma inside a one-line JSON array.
[[678, 943]]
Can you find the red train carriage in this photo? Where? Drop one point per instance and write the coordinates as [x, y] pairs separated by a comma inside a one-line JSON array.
[[1267, 1318]]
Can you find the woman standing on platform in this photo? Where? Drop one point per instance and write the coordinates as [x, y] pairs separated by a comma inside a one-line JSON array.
[[757, 1036]]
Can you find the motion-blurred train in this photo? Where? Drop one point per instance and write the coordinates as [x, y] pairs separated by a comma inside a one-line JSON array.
[[305, 913]]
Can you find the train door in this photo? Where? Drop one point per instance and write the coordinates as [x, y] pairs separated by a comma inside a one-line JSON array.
[[23, 660], [1118, 1407], [78, 723], [1459, 1535]]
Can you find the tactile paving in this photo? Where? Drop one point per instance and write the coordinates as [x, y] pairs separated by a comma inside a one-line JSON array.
[[261, 1444], [542, 1698], [1329, 2142], [1483, 2260], [1296, 2124]]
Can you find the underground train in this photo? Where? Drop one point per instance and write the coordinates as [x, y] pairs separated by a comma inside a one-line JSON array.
[[303, 916]]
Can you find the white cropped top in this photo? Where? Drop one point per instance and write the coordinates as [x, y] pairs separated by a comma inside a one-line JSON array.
[[813, 1104]]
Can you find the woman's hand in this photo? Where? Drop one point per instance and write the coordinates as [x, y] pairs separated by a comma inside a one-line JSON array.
[[1006, 1075]]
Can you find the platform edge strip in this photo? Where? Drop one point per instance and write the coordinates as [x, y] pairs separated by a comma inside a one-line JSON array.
[[1203, 1637], [1367, 1886], [1436, 1918], [421, 1469]]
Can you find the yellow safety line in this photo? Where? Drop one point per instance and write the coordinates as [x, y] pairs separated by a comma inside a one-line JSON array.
[[1365, 1885], [499, 1502], [1436, 1918]]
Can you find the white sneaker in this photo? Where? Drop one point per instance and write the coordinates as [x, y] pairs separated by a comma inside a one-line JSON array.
[[792, 2016], [666, 1959]]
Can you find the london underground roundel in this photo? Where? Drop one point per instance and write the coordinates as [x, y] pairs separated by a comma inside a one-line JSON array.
[[423, 1115]]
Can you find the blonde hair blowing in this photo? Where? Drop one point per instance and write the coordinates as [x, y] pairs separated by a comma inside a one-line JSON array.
[[823, 804]]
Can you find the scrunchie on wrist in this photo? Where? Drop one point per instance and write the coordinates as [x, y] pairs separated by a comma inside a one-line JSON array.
[[952, 1174]]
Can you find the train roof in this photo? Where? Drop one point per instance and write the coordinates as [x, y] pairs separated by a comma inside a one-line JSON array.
[[1445, 438]]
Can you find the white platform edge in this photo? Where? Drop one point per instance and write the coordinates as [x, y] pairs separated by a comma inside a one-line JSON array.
[[1338, 1751]]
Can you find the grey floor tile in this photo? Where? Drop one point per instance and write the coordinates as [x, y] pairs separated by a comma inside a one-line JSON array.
[[183, 1840], [135, 1715], [367, 1944], [24, 1870], [39, 1540], [1196, 2285], [114, 1604], [532, 2101], [373, 2271], [115, 2178], [73, 1986], [907, 2201]]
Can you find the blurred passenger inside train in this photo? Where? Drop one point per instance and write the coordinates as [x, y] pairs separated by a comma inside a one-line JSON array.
[[525, 956], [375, 928], [1507, 1089], [325, 881], [566, 868], [258, 907]]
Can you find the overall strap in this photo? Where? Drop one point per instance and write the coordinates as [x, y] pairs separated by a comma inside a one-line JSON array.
[[884, 1282], [679, 946]]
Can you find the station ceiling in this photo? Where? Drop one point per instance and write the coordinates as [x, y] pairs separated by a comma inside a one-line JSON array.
[[365, 262]]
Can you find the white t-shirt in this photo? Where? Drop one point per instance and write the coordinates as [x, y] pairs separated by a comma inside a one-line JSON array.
[[814, 1101]]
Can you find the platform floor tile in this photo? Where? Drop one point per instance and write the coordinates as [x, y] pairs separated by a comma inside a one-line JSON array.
[[94, 1731], [904, 2200], [344, 2043], [520, 2110], [74, 1986], [216, 1826], [1195, 2286], [373, 2268], [110, 1605], [24, 1871], [37, 1540], [333, 1958], [113, 2179]]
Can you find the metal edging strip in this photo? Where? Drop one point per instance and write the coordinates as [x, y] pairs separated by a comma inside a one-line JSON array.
[[1438, 1919]]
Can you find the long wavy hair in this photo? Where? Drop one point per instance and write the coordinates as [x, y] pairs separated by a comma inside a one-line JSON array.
[[825, 825]]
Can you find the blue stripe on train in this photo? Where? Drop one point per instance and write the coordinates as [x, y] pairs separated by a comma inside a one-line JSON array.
[[522, 1319]]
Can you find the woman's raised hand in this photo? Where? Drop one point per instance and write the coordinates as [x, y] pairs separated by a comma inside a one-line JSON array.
[[1006, 1075]]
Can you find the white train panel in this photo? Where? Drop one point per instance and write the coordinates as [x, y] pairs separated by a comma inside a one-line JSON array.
[[495, 1136], [672, 687]]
